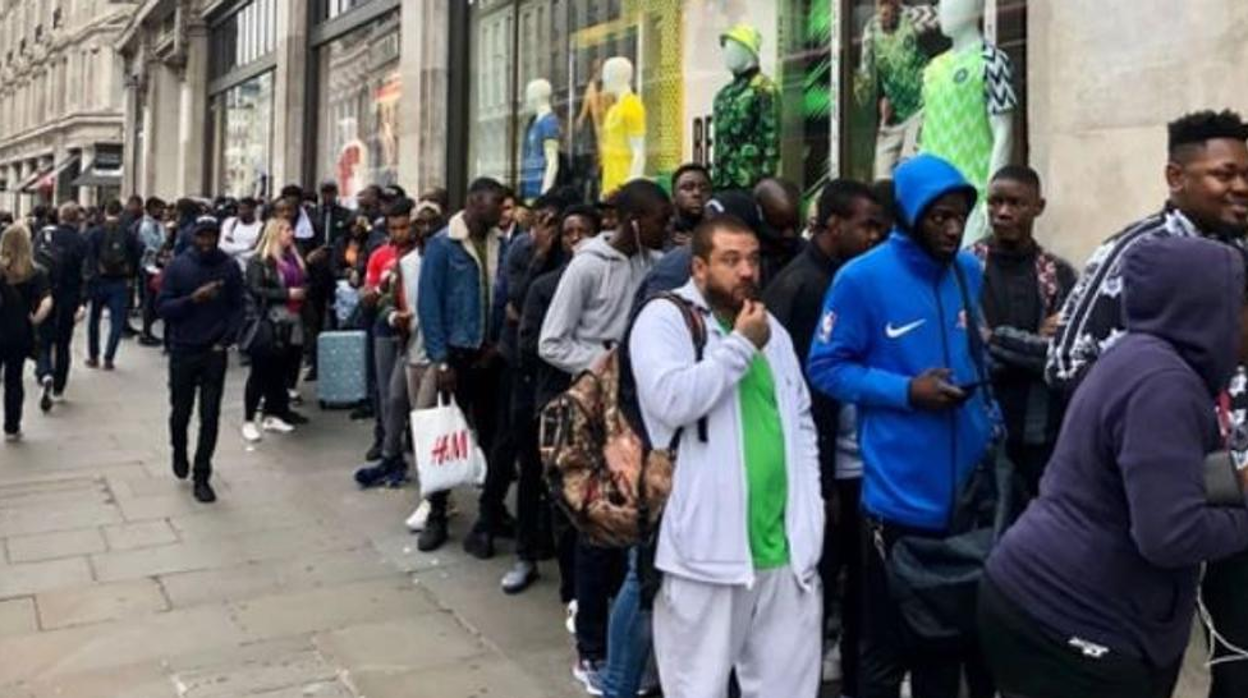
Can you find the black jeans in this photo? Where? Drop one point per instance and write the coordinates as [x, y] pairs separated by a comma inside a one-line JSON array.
[[501, 456], [887, 649], [1029, 662], [267, 381], [56, 335], [196, 372], [476, 389], [149, 302], [1223, 592], [599, 573], [534, 517], [12, 363], [842, 552]]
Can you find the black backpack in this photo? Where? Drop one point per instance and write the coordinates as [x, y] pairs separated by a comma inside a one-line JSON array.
[[49, 255], [114, 254]]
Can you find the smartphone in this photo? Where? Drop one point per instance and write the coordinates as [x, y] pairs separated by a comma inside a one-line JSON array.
[[969, 389]]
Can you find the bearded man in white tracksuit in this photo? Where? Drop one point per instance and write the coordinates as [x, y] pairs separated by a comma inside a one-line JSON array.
[[743, 529]]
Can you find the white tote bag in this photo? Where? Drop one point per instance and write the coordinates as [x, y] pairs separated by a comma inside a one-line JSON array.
[[447, 454]]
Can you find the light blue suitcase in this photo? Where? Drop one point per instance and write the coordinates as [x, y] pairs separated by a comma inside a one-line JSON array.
[[342, 374]]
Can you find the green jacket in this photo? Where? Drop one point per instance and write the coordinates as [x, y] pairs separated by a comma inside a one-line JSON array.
[[747, 131]]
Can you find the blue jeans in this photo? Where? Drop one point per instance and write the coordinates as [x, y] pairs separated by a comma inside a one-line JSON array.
[[629, 641], [111, 294]]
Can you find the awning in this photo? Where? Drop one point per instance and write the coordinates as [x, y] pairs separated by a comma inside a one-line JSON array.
[[98, 178], [46, 179]]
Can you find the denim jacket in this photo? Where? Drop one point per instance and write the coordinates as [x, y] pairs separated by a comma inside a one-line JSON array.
[[449, 300]]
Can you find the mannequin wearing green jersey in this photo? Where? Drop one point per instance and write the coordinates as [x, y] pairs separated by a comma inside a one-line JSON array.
[[969, 102], [746, 115]]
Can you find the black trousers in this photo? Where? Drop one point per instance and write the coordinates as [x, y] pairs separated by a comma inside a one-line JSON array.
[[149, 302], [1028, 662], [534, 516], [12, 364], [501, 456], [599, 573], [476, 390], [195, 373], [842, 552], [56, 335], [1225, 584], [887, 650], [267, 381]]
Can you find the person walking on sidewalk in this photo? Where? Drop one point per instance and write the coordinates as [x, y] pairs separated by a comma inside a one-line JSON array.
[[25, 302], [152, 235], [113, 256], [277, 289], [743, 528], [201, 302], [61, 251]]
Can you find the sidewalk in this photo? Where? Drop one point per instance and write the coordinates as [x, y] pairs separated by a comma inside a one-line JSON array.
[[115, 583]]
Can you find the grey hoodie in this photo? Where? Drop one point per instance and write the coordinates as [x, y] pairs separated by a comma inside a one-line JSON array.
[[590, 310]]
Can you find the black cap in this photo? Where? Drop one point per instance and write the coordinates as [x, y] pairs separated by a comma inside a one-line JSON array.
[[205, 224], [393, 191]]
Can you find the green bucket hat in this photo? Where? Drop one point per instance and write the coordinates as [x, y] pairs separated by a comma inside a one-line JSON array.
[[747, 36]]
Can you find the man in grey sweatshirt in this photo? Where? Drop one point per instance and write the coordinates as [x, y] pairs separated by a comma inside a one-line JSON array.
[[588, 315], [590, 310]]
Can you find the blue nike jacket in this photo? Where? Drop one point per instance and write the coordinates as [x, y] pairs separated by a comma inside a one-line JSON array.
[[890, 315]]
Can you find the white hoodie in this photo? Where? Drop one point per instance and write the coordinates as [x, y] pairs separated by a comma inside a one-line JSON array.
[[705, 531]]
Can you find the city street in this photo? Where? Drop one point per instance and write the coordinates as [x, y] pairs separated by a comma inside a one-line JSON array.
[[116, 583]]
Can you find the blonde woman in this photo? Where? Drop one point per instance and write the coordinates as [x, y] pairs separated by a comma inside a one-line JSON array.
[[277, 287], [25, 302]]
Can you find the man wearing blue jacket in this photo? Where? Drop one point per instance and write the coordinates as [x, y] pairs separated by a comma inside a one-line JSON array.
[[894, 340]]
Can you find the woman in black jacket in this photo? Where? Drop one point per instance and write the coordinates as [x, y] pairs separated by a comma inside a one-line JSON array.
[[277, 294], [25, 302]]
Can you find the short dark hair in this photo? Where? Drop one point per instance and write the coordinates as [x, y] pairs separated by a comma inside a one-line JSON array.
[[400, 207], [248, 201], [134, 199], [704, 235], [687, 168], [637, 195], [292, 190], [584, 211], [1200, 127], [1021, 174], [487, 185], [509, 193], [187, 207], [437, 195], [113, 208], [154, 203], [838, 197]]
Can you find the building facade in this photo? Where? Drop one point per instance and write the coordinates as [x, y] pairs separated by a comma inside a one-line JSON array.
[[61, 110], [243, 96]]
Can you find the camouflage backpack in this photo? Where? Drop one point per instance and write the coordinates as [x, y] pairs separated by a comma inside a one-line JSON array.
[[599, 464]]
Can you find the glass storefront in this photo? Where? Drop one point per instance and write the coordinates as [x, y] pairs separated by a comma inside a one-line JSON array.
[[795, 91], [358, 111], [243, 128]]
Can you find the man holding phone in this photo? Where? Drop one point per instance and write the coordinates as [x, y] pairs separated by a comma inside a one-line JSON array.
[[897, 340], [201, 301]]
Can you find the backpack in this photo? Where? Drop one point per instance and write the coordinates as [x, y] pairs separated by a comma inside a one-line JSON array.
[[49, 255], [114, 254], [598, 462]]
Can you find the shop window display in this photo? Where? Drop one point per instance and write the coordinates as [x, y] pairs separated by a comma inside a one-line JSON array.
[[358, 114], [243, 118]]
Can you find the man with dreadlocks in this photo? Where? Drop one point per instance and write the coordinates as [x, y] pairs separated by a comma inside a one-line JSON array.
[[1207, 176]]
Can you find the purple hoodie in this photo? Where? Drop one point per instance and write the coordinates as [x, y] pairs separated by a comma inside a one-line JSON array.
[[1111, 550]]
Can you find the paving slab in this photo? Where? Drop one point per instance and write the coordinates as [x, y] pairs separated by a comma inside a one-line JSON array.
[[140, 534], [18, 617], [49, 546], [23, 579], [99, 603]]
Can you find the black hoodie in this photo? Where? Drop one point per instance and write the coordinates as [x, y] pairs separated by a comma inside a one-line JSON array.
[[198, 326]]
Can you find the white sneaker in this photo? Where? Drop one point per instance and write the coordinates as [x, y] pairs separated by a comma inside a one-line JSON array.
[[905, 687], [570, 623], [832, 664], [276, 424], [416, 522], [295, 397], [14, 437], [251, 432]]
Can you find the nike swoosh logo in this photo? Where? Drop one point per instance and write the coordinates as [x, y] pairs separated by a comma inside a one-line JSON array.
[[899, 332]]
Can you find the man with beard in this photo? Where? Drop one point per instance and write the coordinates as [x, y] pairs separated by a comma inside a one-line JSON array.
[[1207, 175], [896, 341], [744, 525]]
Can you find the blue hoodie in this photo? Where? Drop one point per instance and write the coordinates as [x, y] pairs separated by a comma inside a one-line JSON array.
[[1110, 552], [890, 315]]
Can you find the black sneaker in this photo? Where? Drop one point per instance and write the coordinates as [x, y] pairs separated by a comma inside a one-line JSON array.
[[373, 475], [45, 398], [204, 493], [479, 544], [434, 535], [293, 417], [148, 340], [181, 468]]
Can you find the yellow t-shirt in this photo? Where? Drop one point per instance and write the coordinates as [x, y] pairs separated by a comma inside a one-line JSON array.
[[626, 120]]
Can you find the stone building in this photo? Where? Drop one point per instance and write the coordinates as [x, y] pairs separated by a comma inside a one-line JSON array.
[[61, 110]]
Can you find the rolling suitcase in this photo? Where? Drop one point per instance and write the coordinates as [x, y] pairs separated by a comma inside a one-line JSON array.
[[342, 376]]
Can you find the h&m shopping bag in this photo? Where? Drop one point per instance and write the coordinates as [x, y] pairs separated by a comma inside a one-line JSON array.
[[447, 454]]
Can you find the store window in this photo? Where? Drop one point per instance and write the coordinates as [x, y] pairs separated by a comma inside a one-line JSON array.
[[243, 37], [638, 87], [358, 111], [947, 80], [243, 131]]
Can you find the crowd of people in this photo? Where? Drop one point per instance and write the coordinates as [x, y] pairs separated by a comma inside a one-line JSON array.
[[861, 361]]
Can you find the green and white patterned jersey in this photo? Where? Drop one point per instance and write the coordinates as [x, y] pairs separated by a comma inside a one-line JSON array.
[[893, 62], [747, 131], [961, 90]]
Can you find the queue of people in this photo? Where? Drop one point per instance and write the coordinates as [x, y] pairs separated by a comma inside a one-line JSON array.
[[828, 391]]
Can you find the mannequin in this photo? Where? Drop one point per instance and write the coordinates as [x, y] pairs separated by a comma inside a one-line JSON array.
[[747, 134], [624, 129], [969, 103], [540, 163]]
